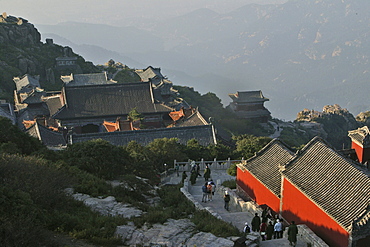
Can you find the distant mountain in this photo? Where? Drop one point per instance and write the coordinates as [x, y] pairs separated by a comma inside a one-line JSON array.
[[301, 54]]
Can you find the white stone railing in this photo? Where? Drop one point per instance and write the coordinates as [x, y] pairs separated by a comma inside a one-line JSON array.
[[213, 164]]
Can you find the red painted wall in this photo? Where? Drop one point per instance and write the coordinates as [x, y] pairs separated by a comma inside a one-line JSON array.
[[363, 154], [256, 190], [358, 150], [296, 206]]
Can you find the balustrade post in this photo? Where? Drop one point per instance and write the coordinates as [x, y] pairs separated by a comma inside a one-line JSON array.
[[228, 163], [202, 164]]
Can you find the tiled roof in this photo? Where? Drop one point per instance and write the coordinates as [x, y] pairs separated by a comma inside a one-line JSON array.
[[361, 136], [248, 97], [86, 79], [195, 119], [149, 73], [46, 136], [264, 165], [204, 134], [25, 81], [331, 181], [34, 97], [109, 100], [6, 110], [54, 104]]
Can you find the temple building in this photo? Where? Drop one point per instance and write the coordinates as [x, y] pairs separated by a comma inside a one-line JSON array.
[[85, 108], [361, 144], [86, 79], [250, 105], [316, 186]]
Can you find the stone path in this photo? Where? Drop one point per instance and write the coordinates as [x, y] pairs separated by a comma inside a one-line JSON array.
[[233, 216]]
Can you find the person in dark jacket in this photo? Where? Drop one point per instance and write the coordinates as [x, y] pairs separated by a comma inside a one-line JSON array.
[[256, 222], [269, 231], [226, 200], [292, 233], [207, 173], [184, 176]]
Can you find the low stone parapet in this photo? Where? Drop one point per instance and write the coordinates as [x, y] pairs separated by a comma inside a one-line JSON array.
[[305, 234], [185, 191]]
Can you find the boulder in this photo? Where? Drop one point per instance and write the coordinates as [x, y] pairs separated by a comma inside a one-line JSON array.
[[108, 206], [172, 233]]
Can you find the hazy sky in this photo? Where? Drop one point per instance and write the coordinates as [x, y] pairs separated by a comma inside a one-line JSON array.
[[113, 12]]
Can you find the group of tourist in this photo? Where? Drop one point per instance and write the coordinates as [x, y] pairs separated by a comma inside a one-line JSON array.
[[272, 228], [208, 190]]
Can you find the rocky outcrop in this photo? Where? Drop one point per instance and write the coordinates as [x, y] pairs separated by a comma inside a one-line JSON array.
[[108, 206], [18, 31], [172, 233]]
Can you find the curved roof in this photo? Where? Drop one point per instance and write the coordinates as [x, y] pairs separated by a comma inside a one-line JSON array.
[[334, 183], [108, 100], [265, 165], [248, 97]]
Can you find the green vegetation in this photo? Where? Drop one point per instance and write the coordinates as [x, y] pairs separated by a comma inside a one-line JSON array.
[[40, 60], [13, 141], [211, 108], [34, 187], [126, 75], [230, 184], [295, 137]]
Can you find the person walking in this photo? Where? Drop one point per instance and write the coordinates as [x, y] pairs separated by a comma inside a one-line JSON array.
[[292, 233], [256, 222], [207, 173], [205, 193], [269, 231], [246, 229], [209, 191], [263, 229], [177, 167], [278, 229], [226, 200], [198, 169], [184, 176]]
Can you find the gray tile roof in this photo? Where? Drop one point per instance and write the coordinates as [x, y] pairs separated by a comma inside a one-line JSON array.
[[248, 97], [6, 110], [204, 134], [149, 73], [361, 136], [108, 100], [86, 79], [336, 184], [264, 165], [46, 136], [195, 119], [35, 97], [26, 83], [54, 104]]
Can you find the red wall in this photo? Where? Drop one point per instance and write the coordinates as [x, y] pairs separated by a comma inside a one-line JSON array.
[[358, 150], [256, 190], [296, 206], [363, 154]]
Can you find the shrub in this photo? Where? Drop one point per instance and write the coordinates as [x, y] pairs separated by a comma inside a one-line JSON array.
[[206, 222], [230, 184]]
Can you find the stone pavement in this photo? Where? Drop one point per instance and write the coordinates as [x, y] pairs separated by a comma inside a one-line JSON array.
[[233, 216]]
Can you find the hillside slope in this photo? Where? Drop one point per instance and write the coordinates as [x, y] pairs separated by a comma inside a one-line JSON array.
[[22, 52]]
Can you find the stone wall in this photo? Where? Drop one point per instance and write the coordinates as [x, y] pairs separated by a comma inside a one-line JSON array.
[[204, 134]]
